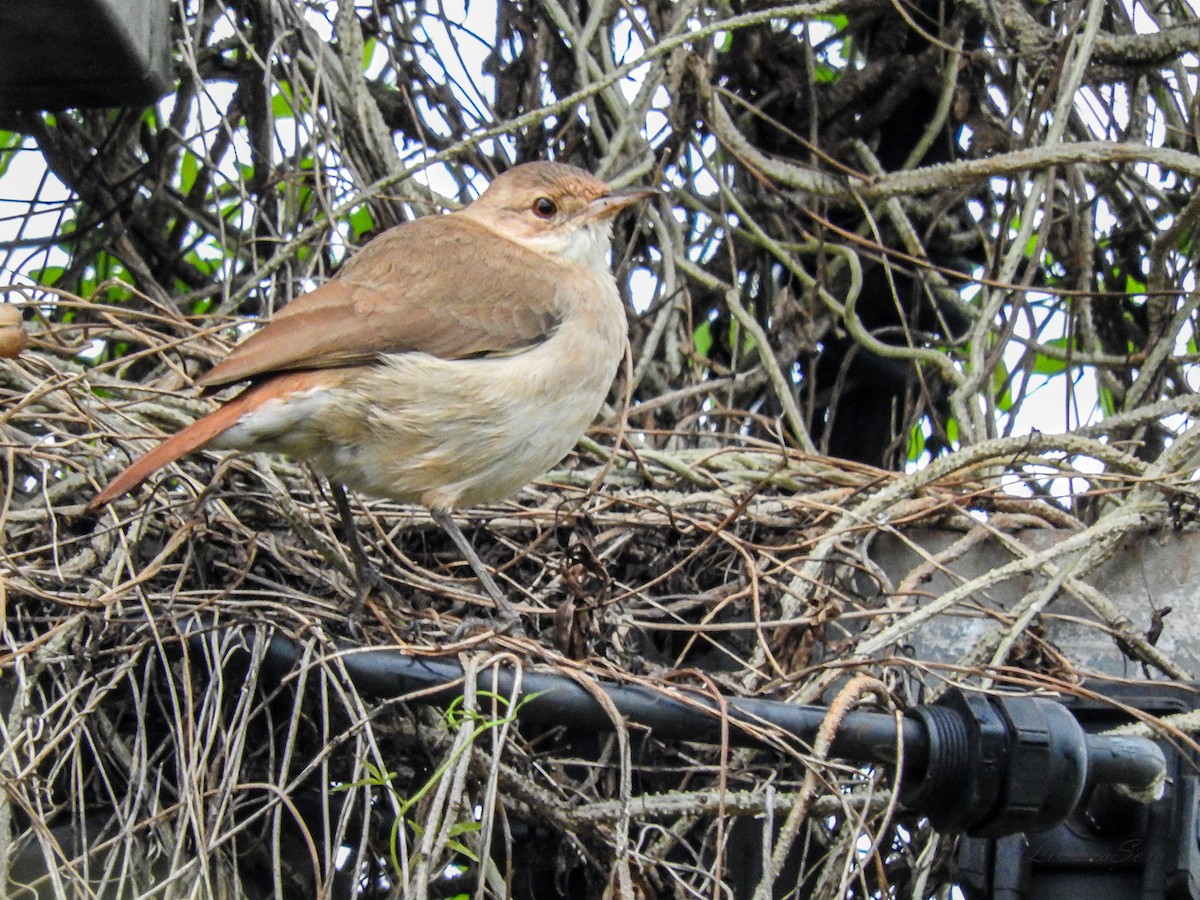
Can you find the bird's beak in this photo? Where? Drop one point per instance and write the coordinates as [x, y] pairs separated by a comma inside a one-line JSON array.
[[613, 203]]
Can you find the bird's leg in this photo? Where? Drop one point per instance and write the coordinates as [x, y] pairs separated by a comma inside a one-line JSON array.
[[506, 612], [365, 572]]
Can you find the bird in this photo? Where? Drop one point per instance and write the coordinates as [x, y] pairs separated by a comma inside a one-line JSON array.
[[447, 363]]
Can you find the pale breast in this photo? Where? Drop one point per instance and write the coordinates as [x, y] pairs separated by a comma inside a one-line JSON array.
[[447, 433]]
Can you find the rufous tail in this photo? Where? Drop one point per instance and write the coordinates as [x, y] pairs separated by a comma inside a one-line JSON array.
[[203, 430], [193, 437]]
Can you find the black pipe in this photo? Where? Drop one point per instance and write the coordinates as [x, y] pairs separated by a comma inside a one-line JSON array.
[[552, 699], [983, 764], [1122, 760]]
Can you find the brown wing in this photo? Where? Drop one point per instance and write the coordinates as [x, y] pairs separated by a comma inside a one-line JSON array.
[[440, 285]]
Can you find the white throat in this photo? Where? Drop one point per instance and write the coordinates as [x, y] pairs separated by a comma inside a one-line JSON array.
[[588, 245]]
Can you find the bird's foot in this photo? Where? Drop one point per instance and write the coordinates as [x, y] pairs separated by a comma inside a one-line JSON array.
[[507, 620], [497, 625], [366, 575], [367, 579]]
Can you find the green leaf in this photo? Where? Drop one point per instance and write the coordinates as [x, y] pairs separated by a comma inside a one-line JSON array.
[[200, 264], [376, 777], [702, 339], [10, 145], [107, 269], [463, 849], [368, 52], [1049, 365], [457, 829], [189, 168], [231, 211], [824, 73], [283, 101], [1107, 406], [1000, 385], [916, 442], [463, 828], [48, 275], [361, 221], [742, 338]]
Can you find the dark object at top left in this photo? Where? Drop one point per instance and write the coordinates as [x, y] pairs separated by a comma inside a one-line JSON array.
[[60, 54]]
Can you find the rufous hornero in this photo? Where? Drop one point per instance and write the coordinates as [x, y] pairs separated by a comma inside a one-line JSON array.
[[450, 361]]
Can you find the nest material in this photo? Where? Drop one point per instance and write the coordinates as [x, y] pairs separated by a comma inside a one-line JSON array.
[[710, 559]]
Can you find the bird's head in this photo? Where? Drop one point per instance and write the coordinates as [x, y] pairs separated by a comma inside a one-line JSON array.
[[556, 210]]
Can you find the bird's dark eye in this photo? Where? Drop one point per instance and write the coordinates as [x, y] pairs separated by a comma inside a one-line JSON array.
[[544, 208]]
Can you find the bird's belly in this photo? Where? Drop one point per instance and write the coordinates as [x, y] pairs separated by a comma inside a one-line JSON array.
[[440, 433], [467, 458]]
